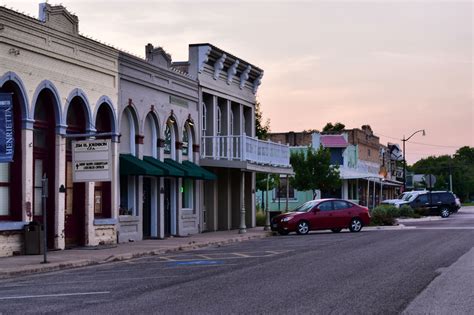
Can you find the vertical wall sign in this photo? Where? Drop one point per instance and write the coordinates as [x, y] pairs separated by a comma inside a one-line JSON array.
[[6, 128]]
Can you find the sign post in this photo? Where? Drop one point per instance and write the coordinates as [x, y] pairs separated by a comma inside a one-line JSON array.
[[6, 128], [44, 196]]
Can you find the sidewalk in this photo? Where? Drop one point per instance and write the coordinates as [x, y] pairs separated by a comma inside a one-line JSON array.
[[86, 256]]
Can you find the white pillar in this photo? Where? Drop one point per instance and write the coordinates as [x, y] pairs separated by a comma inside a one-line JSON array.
[[242, 228], [89, 231], [345, 189], [267, 213], [60, 174], [154, 207], [27, 170]]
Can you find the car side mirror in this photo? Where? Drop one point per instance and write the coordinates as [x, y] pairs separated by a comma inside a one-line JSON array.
[[316, 210]]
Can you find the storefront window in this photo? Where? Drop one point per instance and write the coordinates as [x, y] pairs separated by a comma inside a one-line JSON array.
[[187, 193], [4, 189]]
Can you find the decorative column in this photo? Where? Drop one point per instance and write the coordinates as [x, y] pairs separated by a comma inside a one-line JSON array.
[[27, 167], [60, 174], [267, 213], [242, 228], [90, 239]]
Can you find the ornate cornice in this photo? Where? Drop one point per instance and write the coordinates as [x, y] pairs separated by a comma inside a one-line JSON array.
[[203, 56], [257, 83], [219, 65], [232, 71], [245, 76]]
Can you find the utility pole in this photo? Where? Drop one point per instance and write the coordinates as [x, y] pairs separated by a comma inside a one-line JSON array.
[[404, 159]]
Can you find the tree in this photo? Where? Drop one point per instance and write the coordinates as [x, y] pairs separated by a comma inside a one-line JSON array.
[[261, 129], [460, 167], [336, 128], [313, 170]]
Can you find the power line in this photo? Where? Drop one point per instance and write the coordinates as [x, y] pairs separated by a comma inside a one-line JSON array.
[[427, 144]]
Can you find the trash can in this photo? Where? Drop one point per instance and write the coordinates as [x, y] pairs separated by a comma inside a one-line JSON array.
[[34, 233]]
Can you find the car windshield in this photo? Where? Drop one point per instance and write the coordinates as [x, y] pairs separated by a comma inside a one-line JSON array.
[[411, 197], [403, 196], [305, 207]]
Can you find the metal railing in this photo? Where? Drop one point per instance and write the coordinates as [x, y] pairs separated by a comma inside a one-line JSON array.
[[244, 148]]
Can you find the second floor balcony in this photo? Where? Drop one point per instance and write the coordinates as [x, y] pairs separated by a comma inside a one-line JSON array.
[[246, 149]]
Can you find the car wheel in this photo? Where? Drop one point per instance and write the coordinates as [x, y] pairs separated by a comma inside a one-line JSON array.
[[444, 212], [356, 225], [302, 228], [283, 232], [336, 230]]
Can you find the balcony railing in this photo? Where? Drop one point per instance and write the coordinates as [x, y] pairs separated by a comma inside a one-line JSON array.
[[244, 148]]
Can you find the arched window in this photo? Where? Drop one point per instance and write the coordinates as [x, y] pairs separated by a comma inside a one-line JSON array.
[[168, 139], [185, 141], [219, 121]]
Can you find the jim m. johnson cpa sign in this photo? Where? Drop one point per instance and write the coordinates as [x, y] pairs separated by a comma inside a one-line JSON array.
[[6, 128]]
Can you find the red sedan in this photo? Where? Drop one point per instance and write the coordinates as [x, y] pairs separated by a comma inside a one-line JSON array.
[[322, 214]]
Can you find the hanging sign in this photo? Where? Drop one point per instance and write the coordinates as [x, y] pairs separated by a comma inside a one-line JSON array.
[[91, 161], [6, 128]]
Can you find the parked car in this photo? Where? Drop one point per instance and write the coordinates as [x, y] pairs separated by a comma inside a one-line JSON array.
[[441, 203], [400, 197], [322, 214], [403, 198]]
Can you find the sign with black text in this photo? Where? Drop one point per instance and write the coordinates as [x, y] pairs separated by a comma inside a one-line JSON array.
[[91, 161], [6, 128]]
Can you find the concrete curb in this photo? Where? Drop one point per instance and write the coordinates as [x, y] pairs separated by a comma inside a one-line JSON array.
[[51, 267]]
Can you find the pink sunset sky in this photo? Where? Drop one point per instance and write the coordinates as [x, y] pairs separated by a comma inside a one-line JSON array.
[[398, 66]]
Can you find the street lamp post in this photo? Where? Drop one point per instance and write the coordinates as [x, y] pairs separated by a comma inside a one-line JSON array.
[[404, 160]]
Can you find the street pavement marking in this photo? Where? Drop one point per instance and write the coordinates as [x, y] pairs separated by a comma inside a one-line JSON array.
[[241, 255], [204, 256], [25, 284], [51, 295]]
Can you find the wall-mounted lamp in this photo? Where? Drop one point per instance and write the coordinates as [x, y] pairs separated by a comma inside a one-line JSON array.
[[162, 190], [190, 121], [62, 189]]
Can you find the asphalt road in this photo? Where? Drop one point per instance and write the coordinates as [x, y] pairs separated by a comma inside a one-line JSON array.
[[371, 272]]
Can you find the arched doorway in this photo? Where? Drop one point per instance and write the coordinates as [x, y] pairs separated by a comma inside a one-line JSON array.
[[75, 205], [151, 198], [11, 174], [44, 156], [103, 190], [170, 184]]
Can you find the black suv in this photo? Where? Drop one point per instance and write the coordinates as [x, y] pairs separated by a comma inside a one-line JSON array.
[[442, 203]]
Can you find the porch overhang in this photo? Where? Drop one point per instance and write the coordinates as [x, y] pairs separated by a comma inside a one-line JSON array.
[[247, 166]]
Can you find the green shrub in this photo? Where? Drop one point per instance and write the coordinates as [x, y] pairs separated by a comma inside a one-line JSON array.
[[261, 218], [384, 215], [406, 211]]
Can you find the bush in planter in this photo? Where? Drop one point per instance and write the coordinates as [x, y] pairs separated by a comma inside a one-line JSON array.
[[384, 215], [261, 218], [406, 211]]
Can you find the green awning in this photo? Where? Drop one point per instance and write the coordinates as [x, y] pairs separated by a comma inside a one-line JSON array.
[[188, 172], [168, 169], [205, 173], [130, 165]]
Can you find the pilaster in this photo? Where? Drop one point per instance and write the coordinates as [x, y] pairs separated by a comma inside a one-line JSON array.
[[60, 240], [27, 171]]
